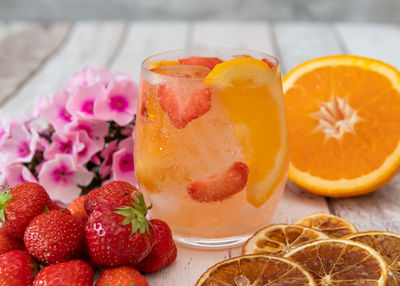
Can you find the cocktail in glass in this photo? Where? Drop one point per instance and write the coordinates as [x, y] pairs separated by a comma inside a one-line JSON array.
[[210, 143]]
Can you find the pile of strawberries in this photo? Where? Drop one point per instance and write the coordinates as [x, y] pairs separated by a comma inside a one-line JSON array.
[[107, 228]]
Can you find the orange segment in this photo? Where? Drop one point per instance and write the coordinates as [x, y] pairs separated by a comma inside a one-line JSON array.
[[277, 239], [251, 93], [163, 64], [341, 262], [333, 226], [343, 124], [256, 270], [388, 245]]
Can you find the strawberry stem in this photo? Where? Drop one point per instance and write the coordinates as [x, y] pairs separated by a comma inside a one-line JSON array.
[[4, 198], [136, 215]]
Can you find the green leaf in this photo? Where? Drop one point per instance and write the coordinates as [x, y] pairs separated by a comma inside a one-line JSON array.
[[46, 208], [4, 198], [135, 215], [63, 210]]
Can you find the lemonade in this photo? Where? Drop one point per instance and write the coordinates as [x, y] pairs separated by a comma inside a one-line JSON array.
[[210, 143]]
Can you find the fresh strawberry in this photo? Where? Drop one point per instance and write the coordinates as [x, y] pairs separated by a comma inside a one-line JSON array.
[[184, 101], [122, 276], [70, 273], [17, 268], [77, 207], [114, 194], [201, 61], [185, 71], [20, 205], [54, 237], [222, 186], [8, 243], [164, 250], [119, 237]]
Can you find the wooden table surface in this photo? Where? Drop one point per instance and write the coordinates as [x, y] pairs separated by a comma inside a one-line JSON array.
[[36, 59]]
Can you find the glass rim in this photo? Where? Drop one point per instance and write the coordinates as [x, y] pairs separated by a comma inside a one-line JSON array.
[[191, 51]]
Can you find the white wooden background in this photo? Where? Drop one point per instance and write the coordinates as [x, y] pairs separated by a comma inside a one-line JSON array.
[[36, 59]]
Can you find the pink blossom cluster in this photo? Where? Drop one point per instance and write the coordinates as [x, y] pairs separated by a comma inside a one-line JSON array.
[[77, 139]]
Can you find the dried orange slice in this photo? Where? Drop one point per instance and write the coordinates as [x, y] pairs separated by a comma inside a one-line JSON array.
[[256, 270], [388, 245], [343, 124], [341, 262], [333, 226], [277, 239], [251, 93]]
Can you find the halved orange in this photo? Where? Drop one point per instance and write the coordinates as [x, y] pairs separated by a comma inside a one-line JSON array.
[[251, 93], [341, 262], [343, 117], [256, 270], [277, 239], [388, 245], [333, 226]]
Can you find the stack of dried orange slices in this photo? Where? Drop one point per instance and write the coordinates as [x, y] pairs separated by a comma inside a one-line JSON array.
[[320, 249]]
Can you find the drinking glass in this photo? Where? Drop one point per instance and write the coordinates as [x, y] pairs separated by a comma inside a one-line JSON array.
[[211, 143]]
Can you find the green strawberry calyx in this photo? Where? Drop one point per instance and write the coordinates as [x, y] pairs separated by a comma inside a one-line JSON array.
[[5, 196], [136, 215]]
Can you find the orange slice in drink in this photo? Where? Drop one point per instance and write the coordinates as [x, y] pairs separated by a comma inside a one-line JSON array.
[[388, 245], [251, 93], [333, 226], [277, 239], [341, 262], [343, 124], [256, 270], [163, 64]]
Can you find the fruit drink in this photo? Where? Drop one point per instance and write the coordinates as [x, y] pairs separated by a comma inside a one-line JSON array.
[[210, 142]]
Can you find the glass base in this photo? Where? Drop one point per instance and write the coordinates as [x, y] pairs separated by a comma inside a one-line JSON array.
[[211, 243]]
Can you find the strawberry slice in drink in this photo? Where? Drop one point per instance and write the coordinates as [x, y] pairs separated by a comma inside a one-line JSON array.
[[201, 61], [221, 186], [181, 98], [188, 71]]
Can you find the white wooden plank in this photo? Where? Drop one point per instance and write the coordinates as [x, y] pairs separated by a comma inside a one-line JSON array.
[[378, 210], [247, 35], [90, 43], [23, 49], [148, 38], [380, 41], [188, 267], [299, 42]]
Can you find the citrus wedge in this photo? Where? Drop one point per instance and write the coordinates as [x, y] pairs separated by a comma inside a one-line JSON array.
[[277, 239], [256, 270], [164, 64], [333, 226], [251, 93], [341, 262], [388, 245], [343, 124]]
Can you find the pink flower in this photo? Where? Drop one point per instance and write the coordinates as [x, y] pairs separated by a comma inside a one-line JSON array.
[[17, 174], [4, 129], [20, 146], [40, 104], [107, 154], [61, 177], [3, 165], [56, 112], [82, 99], [95, 129], [78, 144], [89, 76], [118, 103], [123, 166]]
